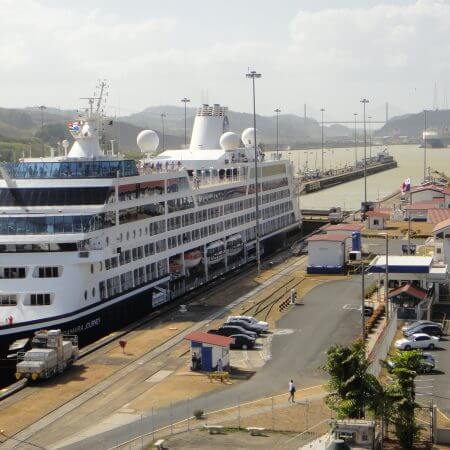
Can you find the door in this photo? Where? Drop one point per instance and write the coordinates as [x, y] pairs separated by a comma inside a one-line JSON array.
[[207, 359]]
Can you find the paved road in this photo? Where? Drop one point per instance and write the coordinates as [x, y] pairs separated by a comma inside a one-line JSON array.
[[298, 353]]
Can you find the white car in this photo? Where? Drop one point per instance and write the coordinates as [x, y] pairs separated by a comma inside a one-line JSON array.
[[418, 340], [263, 326]]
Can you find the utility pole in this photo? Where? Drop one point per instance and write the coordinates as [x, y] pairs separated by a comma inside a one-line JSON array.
[[364, 101], [322, 111], [277, 111], [425, 146], [253, 75], [356, 142], [185, 100], [363, 294], [370, 137], [42, 108], [163, 132]]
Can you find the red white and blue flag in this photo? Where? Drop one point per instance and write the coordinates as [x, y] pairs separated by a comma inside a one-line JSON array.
[[74, 126], [406, 185]]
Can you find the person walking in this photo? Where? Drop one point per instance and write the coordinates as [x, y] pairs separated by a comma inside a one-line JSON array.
[[291, 389]]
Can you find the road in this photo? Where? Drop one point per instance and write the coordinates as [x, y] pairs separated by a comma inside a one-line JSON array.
[[298, 350]]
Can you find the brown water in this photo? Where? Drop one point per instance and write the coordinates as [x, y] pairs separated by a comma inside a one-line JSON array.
[[349, 195]]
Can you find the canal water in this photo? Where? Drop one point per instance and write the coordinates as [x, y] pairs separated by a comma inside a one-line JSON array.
[[349, 195]]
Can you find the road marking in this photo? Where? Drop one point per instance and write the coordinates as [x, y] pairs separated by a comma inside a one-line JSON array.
[[282, 331], [349, 306]]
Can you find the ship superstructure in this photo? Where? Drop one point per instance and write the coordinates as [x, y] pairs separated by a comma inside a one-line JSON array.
[[90, 241]]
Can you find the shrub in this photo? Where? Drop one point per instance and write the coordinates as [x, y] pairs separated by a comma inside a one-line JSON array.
[[198, 414]]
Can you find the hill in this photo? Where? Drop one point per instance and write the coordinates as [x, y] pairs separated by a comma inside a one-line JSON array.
[[412, 125]]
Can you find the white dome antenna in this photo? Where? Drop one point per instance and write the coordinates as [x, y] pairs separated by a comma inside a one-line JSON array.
[[230, 141], [147, 141], [248, 136]]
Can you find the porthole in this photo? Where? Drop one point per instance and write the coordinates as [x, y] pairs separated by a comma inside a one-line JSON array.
[[93, 292], [92, 268], [85, 295], [146, 230], [140, 232], [128, 235], [134, 234]]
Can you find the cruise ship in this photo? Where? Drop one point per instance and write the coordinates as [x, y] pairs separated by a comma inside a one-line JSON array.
[[90, 241], [436, 138]]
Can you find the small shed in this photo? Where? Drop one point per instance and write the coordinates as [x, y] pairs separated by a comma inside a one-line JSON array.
[[327, 253], [376, 220], [209, 352]]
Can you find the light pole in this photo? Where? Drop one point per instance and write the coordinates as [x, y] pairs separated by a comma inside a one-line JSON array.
[[370, 137], [322, 111], [363, 295], [42, 108], [364, 101], [356, 143], [163, 131], [185, 100], [277, 111], [425, 145], [253, 75]]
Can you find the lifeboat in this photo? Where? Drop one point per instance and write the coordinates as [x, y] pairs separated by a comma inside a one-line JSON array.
[[192, 258], [234, 245], [215, 252]]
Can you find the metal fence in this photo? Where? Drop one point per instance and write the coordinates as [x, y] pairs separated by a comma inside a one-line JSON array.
[[302, 421], [381, 347]]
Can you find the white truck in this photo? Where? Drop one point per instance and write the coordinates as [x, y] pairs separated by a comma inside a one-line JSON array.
[[51, 353]]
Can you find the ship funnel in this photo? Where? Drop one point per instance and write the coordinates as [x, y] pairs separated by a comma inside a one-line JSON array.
[[86, 144], [209, 125]]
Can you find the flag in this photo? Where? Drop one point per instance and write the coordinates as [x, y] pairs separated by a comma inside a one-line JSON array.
[[74, 126], [406, 185]]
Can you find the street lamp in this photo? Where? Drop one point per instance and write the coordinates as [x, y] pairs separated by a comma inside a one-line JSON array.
[[364, 101], [253, 75], [278, 110], [386, 281], [163, 131], [322, 111], [356, 143], [185, 100], [425, 146], [370, 137], [42, 108]]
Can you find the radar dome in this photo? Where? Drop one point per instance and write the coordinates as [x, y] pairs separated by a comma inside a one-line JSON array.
[[147, 141], [248, 137], [230, 141]]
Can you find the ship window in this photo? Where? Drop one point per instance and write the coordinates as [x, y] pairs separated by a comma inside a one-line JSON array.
[[85, 295], [93, 292], [48, 272], [40, 299], [92, 268], [8, 300], [13, 272]]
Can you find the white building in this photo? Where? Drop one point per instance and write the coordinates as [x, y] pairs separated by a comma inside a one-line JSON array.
[[427, 193], [441, 234], [376, 220], [327, 253]]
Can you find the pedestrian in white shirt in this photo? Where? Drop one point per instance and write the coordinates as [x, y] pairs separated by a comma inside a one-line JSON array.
[[291, 389]]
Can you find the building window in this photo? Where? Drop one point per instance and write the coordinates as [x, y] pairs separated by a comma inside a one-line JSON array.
[[13, 272], [40, 299], [376, 222], [48, 272], [438, 250], [8, 300]]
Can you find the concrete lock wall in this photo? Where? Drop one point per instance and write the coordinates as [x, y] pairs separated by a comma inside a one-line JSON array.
[[442, 436]]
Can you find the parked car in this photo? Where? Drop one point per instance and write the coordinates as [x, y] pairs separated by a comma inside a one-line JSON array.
[[249, 319], [242, 341], [427, 363], [409, 325], [418, 340], [427, 328], [228, 330], [245, 325]]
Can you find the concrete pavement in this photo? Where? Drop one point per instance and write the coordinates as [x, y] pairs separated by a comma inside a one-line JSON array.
[[298, 351]]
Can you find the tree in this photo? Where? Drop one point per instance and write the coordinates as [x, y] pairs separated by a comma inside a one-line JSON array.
[[401, 392], [352, 388]]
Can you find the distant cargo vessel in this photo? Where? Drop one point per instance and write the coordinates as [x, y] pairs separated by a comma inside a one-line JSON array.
[[436, 138]]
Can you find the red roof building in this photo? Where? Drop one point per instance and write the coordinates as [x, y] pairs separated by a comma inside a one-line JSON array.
[[438, 215], [409, 290], [208, 338]]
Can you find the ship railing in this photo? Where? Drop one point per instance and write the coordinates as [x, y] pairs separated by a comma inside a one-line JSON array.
[[199, 182]]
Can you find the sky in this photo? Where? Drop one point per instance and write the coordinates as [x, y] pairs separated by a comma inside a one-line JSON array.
[[322, 53]]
